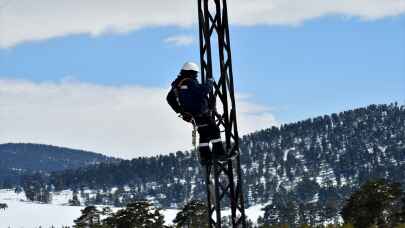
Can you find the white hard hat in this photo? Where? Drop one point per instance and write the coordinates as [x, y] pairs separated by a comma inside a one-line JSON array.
[[191, 66]]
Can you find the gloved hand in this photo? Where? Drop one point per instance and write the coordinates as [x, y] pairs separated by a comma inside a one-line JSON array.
[[186, 117], [210, 82]]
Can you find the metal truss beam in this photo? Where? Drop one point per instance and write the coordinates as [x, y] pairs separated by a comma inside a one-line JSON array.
[[223, 179]]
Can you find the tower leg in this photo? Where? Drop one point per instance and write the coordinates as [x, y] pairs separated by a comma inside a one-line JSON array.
[[228, 191]]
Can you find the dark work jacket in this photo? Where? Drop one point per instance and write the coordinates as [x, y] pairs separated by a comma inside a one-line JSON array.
[[189, 96]]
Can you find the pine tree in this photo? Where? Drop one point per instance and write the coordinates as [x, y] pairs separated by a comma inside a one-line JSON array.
[[136, 215], [90, 218], [3, 206], [75, 200], [376, 203], [193, 215]]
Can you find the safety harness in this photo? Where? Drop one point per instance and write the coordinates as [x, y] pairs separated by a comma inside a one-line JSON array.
[[176, 89]]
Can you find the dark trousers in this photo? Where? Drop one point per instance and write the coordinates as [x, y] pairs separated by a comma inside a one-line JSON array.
[[209, 132]]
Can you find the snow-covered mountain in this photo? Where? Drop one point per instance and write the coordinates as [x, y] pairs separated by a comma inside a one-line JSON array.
[[22, 158], [309, 166]]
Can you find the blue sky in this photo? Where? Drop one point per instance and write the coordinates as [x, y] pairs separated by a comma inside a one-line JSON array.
[[287, 68], [322, 66]]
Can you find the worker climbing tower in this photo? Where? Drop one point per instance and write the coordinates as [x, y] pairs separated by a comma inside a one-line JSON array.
[[223, 178]]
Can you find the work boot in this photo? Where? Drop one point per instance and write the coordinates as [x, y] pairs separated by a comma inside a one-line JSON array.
[[219, 151], [205, 156]]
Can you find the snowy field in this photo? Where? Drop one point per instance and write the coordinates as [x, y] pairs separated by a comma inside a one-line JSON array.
[[23, 214]]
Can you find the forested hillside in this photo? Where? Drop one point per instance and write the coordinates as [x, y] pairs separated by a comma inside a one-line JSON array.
[[308, 166], [21, 159]]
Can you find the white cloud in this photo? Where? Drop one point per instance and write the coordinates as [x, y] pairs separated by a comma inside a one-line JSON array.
[[28, 20], [179, 40], [127, 121]]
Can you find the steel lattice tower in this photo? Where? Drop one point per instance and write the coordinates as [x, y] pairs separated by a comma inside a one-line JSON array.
[[223, 179]]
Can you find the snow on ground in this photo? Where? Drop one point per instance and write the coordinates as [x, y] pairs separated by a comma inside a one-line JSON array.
[[254, 212], [170, 215], [62, 198], [285, 156], [24, 214], [33, 215]]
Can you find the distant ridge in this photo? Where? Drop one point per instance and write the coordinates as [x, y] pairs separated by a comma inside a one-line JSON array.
[[309, 166], [304, 162], [17, 159]]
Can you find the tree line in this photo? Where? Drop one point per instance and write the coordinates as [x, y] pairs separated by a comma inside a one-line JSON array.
[[378, 203], [309, 166]]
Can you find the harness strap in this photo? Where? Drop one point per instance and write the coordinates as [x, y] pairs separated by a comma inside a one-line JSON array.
[[180, 86], [204, 145], [216, 140], [176, 91]]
